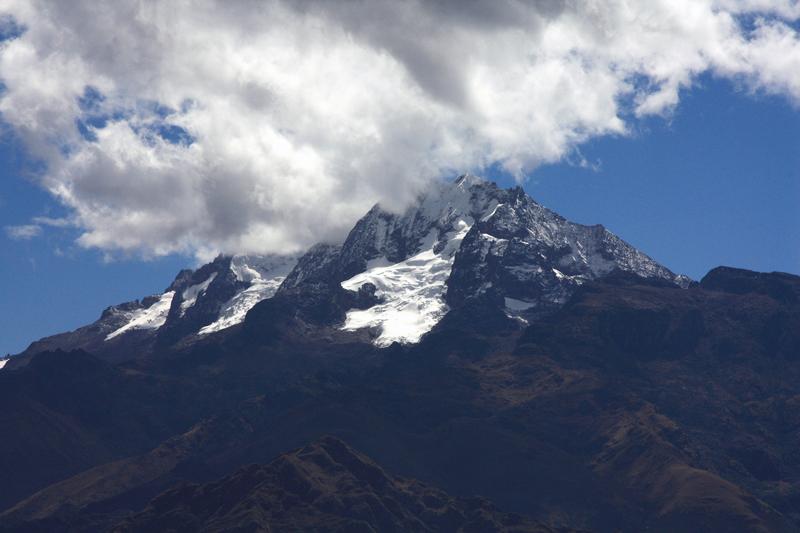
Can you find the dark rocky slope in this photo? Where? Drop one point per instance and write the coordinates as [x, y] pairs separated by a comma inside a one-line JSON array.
[[325, 487], [635, 406]]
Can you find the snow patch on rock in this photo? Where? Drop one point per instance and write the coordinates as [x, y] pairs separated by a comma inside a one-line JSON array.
[[518, 305], [264, 274], [152, 317], [412, 290], [190, 294]]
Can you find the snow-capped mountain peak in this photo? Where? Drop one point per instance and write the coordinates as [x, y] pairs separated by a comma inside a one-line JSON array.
[[212, 298], [399, 236], [470, 239], [397, 274]]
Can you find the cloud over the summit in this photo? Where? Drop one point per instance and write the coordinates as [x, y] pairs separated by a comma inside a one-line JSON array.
[[257, 126]]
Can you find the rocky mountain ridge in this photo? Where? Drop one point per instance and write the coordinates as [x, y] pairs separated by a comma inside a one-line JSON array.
[[465, 240]]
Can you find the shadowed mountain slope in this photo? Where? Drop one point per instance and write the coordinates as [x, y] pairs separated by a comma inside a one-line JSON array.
[[325, 486], [636, 406]]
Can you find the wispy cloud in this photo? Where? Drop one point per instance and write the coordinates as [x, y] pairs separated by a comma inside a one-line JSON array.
[[253, 126], [55, 222], [24, 232]]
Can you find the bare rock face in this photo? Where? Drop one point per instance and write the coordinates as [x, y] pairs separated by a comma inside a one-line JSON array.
[[525, 252]]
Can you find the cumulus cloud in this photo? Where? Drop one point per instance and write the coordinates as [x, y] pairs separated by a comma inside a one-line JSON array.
[[211, 126], [24, 232]]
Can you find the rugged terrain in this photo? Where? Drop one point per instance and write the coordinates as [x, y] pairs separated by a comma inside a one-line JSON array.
[[477, 348]]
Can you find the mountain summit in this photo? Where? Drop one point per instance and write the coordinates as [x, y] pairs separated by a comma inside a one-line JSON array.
[[462, 241], [471, 240]]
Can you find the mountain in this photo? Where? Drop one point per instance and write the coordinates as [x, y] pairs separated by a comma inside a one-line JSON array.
[[198, 302], [635, 406], [540, 373], [325, 486], [460, 241]]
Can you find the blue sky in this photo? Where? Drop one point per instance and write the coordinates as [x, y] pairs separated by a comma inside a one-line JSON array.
[[718, 183]]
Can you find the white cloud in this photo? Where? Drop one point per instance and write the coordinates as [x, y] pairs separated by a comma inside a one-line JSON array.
[[24, 232], [289, 119], [54, 222]]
